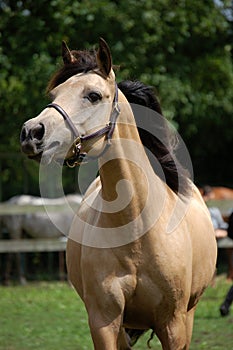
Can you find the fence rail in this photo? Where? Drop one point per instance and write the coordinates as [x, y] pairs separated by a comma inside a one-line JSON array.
[[32, 245]]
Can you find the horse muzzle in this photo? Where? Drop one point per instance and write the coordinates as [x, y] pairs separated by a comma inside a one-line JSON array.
[[31, 139]]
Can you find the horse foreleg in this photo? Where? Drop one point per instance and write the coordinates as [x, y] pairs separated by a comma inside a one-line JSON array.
[[189, 326], [108, 335], [173, 336], [20, 268]]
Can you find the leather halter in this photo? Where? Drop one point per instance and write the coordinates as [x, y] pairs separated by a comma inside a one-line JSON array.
[[108, 130]]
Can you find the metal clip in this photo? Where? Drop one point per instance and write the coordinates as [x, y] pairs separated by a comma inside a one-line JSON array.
[[70, 163], [77, 146]]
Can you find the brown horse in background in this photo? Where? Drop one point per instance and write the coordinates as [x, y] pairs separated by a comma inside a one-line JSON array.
[[140, 253], [217, 192]]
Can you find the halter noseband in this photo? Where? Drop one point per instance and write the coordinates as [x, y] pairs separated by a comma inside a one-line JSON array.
[[77, 157]]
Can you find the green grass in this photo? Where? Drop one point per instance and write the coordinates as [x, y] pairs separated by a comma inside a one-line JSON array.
[[49, 316]]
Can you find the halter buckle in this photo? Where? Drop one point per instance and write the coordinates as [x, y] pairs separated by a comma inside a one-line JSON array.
[[77, 146]]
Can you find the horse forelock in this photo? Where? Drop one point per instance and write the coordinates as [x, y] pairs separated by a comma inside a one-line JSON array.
[[85, 61]]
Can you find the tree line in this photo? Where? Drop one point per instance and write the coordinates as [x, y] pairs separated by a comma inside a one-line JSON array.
[[181, 47]]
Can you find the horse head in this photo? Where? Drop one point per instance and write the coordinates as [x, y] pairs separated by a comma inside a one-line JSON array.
[[82, 94]]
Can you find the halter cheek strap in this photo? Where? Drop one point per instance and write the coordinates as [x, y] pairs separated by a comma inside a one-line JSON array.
[[108, 130]]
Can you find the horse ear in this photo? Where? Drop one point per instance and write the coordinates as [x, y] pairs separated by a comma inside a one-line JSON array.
[[104, 58], [66, 54]]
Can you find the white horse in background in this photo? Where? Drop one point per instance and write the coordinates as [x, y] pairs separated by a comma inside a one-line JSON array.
[[34, 221]]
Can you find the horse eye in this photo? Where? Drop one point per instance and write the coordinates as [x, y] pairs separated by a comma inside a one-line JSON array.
[[94, 97]]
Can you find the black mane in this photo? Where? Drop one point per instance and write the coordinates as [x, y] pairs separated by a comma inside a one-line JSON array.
[[156, 135], [138, 94]]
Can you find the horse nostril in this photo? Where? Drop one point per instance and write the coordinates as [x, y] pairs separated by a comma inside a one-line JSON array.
[[23, 134], [38, 131]]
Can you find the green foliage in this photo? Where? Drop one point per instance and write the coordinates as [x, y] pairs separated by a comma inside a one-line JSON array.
[[183, 48]]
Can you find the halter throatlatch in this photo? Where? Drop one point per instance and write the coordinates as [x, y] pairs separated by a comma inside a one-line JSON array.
[[108, 130]]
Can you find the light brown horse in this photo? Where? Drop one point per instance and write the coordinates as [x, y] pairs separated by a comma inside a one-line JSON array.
[[140, 254]]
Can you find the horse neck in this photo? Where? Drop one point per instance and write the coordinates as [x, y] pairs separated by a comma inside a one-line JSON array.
[[125, 170]]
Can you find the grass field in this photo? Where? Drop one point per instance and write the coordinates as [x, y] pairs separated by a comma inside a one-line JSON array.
[[49, 316]]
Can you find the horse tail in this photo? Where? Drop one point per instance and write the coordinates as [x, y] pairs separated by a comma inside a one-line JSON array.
[[149, 340], [135, 334]]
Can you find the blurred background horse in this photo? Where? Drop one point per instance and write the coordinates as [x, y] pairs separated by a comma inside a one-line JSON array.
[[217, 192], [32, 221]]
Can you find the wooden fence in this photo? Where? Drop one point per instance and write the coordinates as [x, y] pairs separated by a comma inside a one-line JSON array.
[[13, 246]]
